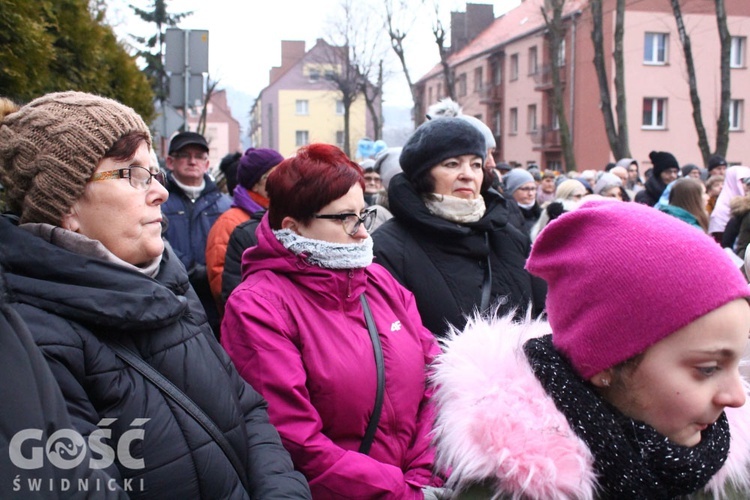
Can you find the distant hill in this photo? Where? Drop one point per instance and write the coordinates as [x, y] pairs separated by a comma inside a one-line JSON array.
[[241, 103]]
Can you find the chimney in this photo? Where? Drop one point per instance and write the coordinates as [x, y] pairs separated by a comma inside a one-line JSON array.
[[465, 26], [292, 51]]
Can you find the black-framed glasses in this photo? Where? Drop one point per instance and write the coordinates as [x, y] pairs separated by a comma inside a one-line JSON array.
[[351, 221], [139, 177]]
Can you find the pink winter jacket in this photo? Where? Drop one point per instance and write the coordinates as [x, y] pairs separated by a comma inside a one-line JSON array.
[[297, 334]]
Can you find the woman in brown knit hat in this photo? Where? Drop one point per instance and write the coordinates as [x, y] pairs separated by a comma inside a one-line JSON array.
[[89, 272]]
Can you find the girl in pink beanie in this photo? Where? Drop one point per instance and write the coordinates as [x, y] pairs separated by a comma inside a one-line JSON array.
[[631, 390]]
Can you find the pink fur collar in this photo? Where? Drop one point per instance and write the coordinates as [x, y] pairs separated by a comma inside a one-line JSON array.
[[495, 422]]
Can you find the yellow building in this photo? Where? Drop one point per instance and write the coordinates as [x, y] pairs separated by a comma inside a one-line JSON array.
[[303, 102]]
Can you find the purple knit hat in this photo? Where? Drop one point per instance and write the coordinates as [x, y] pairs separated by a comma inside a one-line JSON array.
[[254, 163], [623, 276]]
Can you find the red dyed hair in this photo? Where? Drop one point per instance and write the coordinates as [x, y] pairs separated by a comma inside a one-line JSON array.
[[303, 184]]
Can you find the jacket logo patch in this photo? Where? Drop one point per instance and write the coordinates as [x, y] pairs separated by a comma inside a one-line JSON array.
[[396, 326]]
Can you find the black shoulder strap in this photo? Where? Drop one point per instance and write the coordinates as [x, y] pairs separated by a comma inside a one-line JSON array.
[[187, 404], [487, 284], [372, 426]]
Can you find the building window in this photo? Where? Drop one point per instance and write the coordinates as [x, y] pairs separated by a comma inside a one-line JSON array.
[[735, 114], [655, 48], [654, 113], [302, 107], [314, 75], [554, 165], [737, 52], [439, 92], [340, 138], [513, 121], [497, 123], [561, 54], [461, 85], [330, 74], [302, 138], [555, 121], [533, 64], [514, 67], [340, 107], [497, 73], [532, 118], [478, 79], [429, 95]]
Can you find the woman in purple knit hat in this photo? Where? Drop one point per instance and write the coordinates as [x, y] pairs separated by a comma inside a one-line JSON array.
[[250, 197], [631, 390]]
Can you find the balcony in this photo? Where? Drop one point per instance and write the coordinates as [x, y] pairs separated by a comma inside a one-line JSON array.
[[491, 94], [543, 78], [546, 139]]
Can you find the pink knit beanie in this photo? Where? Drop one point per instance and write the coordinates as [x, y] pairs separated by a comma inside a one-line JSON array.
[[623, 276]]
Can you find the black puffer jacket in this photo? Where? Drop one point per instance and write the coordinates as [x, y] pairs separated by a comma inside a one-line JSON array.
[[33, 402], [74, 305], [444, 264], [242, 238]]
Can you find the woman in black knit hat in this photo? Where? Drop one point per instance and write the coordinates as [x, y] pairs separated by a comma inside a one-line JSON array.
[[449, 241]]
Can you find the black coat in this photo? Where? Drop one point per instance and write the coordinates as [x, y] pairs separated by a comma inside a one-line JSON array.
[[242, 238], [651, 192], [32, 400], [444, 264], [74, 304]]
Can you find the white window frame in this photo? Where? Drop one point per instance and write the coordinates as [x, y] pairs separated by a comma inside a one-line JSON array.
[[533, 60], [653, 58], [302, 107], [737, 52], [736, 109], [533, 122], [340, 107], [301, 138], [513, 121], [561, 54], [513, 67], [654, 119], [340, 138], [498, 123]]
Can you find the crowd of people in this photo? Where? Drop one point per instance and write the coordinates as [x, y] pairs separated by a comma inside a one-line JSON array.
[[428, 323]]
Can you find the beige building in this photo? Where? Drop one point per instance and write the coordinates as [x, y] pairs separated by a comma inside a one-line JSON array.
[[222, 129], [302, 104], [503, 77]]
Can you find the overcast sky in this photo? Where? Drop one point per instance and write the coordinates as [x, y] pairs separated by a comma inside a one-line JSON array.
[[245, 37]]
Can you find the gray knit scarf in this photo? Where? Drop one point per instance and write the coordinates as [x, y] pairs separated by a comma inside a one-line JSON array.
[[326, 254]]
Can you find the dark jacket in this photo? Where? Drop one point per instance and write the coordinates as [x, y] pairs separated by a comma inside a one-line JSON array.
[[242, 238], [76, 305], [652, 191], [33, 401], [188, 224], [444, 264]]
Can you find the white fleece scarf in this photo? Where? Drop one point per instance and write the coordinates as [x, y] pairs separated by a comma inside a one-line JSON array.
[[455, 209], [192, 192], [326, 254], [83, 245]]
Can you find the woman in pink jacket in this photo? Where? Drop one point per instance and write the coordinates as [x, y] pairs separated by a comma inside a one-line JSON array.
[[296, 330]]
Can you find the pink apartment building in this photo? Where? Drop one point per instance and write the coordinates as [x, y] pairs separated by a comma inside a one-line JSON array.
[[503, 77]]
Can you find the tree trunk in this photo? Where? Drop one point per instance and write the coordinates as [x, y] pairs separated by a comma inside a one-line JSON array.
[[556, 34], [597, 39], [722, 124], [623, 138], [692, 83]]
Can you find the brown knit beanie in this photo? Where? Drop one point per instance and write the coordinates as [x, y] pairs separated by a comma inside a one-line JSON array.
[[50, 148]]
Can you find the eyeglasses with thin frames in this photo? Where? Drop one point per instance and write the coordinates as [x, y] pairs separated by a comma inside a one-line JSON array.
[[351, 221], [139, 177]]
